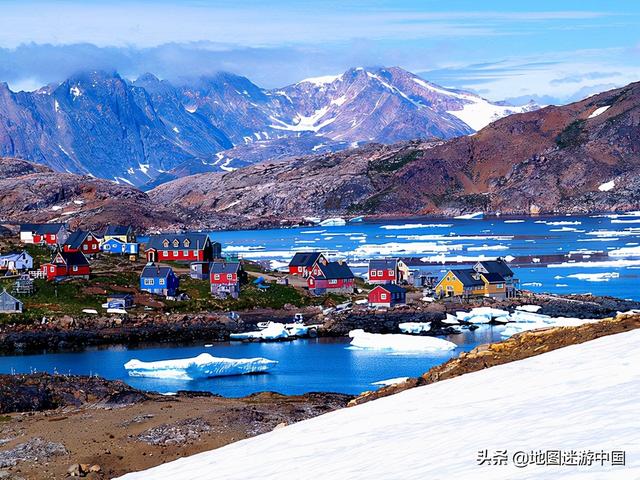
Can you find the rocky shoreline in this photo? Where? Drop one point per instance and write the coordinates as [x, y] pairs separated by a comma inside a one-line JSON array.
[[68, 333]]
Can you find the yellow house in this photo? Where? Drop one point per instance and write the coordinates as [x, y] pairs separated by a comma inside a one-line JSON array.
[[470, 283]]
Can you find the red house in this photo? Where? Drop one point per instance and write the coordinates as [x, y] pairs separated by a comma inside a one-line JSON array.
[[388, 270], [51, 234], [387, 296], [67, 264], [303, 263], [331, 277], [225, 278], [182, 247], [81, 241]]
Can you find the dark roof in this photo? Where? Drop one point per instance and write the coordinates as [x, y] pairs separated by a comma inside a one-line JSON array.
[[383, 263], [304, 259], [73, 258], [196, 240], [392, 288], [156, 271], [498, 266], [335, 270], [117, 230], [76, 238], [467, 277], [493, 277], [224, 267], [41, 228]]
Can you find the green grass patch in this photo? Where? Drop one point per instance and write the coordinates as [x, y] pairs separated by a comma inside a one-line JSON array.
[[572, 136], [390, 165]]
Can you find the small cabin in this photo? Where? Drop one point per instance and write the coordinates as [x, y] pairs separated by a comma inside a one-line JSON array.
[[388, 296], [199, 270], [122, 233], [225, 278], [67, 264], [118, 247], [9, 303], [303, 263], [332, 277], [51, 234], [182, 247], [120, 300], [388, 270], [159, 280], [16, 261], [82, 241]]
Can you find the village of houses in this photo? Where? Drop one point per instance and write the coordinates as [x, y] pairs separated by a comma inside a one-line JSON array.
[[161, 266]]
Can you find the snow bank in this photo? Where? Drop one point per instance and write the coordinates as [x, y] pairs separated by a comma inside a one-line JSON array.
[[391, 381], [202, 366], [414, 327], [398, 342], [560, 400], [483, 315], [599, 111], [605, 187], [529, 308]]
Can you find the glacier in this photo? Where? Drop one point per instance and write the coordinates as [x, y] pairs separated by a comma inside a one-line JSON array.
[[202, 366]]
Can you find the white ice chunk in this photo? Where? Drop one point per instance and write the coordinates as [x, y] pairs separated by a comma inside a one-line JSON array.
[[202, 366], [414, 327], [398, 342], [273, 331]]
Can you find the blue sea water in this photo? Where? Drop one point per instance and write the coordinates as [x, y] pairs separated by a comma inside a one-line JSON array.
[[550, 254], [314, 365]]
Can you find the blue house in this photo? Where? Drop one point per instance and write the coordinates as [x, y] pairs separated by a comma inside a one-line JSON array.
[[119, 247], [159, 280]]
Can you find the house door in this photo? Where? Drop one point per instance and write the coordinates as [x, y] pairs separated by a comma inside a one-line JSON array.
[[151, 256], [450, 291]]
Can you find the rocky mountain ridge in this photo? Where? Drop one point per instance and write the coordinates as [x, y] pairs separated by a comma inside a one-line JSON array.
[[149, 131]]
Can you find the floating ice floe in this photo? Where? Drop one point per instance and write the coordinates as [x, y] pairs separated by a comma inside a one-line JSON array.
[[202, 366], [391, 381], [595, 277], [333, 222], [521, 321], [483, 315], [470, 216], [398, 342], [408, 226], [451, 320], [414, 327], [625, 252]]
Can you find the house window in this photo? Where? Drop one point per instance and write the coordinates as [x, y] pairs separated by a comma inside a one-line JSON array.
[[390, 272], [107, 247], [383, 296], [75, 268], [176, 243], [85, 247], [185, 253], [380, 273], [52, 269], [161, 281], [175, 253], [299, 269], [186, 243], [148, 281], [229, 276], [373, 273], [165, 243], [333, 281], [216, 276], [165, 253], [500, 286]]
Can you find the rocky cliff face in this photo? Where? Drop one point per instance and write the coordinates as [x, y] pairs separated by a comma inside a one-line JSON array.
[[582, 157], [33, 193], [150, 131]]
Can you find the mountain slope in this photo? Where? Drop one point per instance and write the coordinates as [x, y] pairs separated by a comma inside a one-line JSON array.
[[582, 157], [150, 131], [33, 193]]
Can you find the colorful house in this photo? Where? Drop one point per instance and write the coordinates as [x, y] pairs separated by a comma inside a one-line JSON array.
[[388, 270], [67, 264], [118, 247], [303, 263], [51, 234], [121, 233], [225, 278], [82, 241], [331, 277], [9, 303], [199, 270], [159, 280], [182, 247], [16, 261], [491, 278], [388, 295]]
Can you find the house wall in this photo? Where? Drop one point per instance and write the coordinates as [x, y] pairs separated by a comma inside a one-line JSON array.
[[449, 280], [387, 275], [53, 270]]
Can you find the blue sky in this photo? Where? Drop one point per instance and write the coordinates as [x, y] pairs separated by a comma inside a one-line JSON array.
[[556, 51]]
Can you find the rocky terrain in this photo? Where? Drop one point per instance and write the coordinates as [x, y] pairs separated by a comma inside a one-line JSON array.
[[150, 131], [579, 158], [35, 193], [62, 426]]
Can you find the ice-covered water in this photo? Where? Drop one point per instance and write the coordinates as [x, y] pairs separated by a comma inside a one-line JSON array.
[[599, 254]]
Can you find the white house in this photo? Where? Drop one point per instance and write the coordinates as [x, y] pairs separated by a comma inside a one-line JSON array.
[[16, 261]]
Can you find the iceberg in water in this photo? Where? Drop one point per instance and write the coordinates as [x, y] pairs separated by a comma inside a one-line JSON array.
[[202, 366], [470, 216], [333, 222], [398, 342], [274, 331], [414, 327]]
